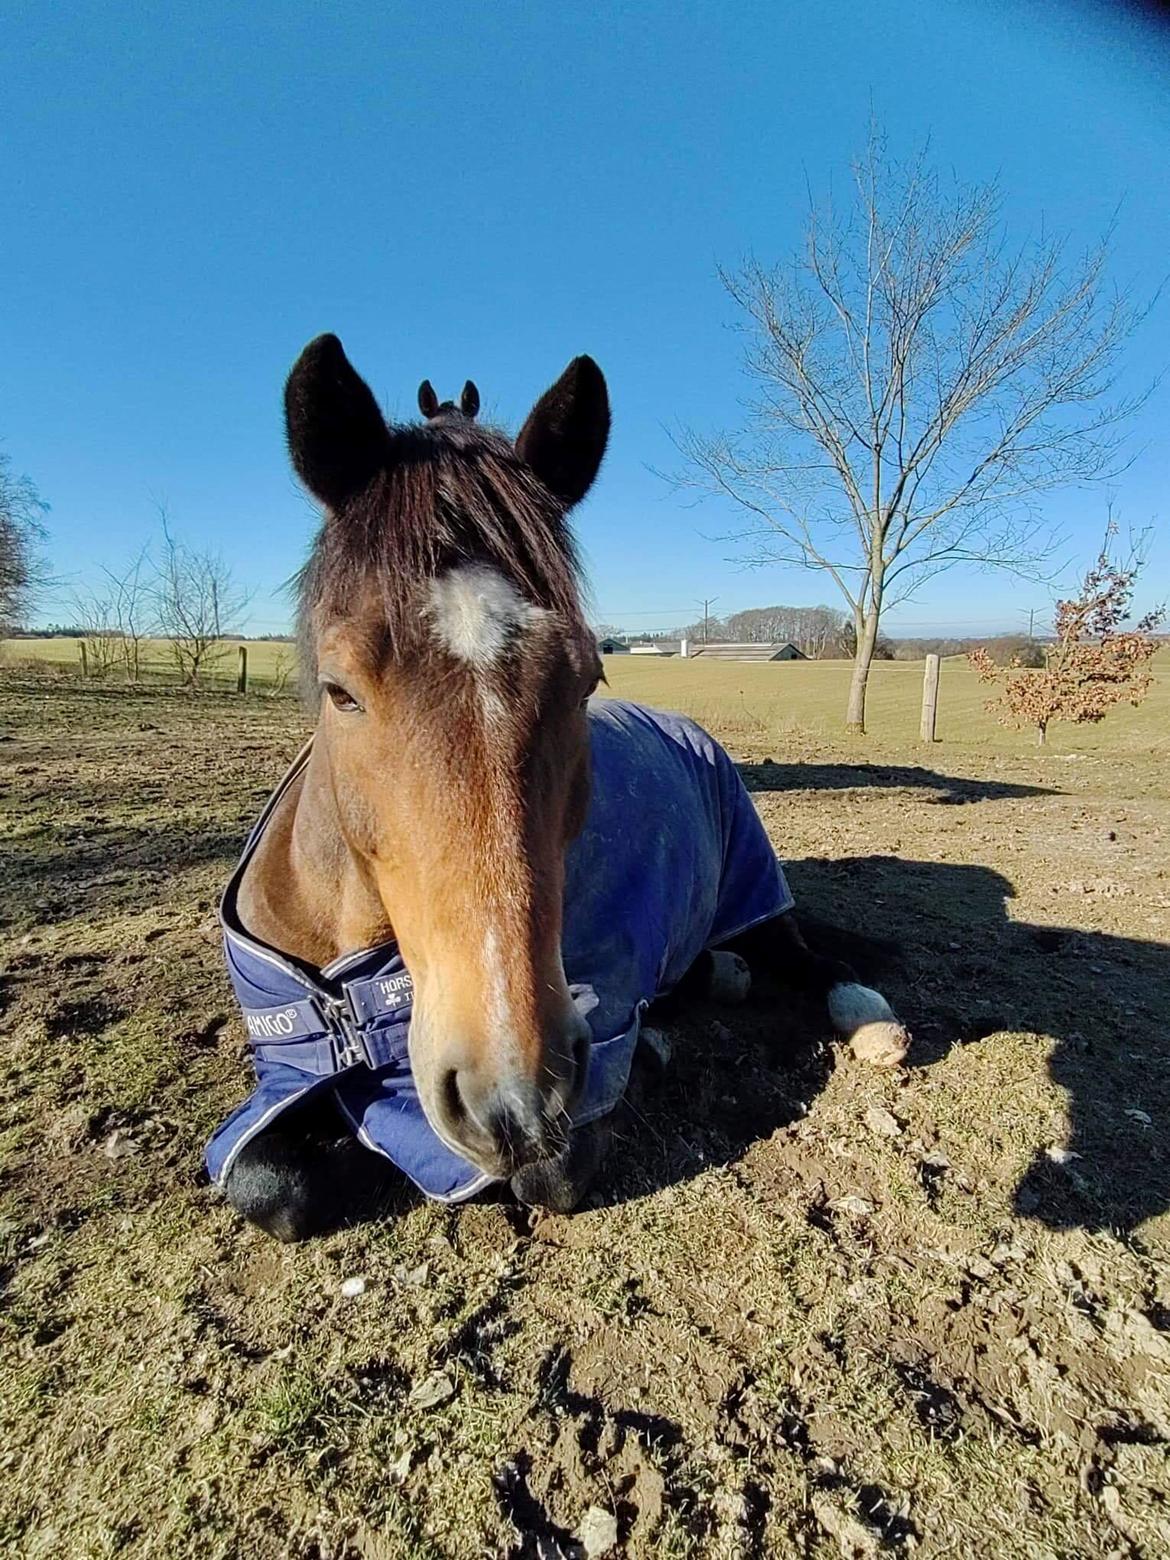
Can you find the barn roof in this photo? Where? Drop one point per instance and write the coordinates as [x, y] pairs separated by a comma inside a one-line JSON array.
[[750, 652]]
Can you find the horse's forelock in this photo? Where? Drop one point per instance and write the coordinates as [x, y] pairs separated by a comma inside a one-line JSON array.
[[448, 496]]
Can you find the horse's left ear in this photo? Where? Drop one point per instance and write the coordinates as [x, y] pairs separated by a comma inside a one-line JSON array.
[[428, 401], [565, 436], [337, 437], [469, 400]]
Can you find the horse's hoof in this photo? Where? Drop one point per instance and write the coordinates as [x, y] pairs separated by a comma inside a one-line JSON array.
[[729, 980], [560, 1184], [883, 1045], [875, 1035]]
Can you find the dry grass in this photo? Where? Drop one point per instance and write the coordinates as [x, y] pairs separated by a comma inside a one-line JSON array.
[[781, 1327]]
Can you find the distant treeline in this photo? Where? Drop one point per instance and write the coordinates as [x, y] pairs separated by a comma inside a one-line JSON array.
[[826, 633], [75, 631]]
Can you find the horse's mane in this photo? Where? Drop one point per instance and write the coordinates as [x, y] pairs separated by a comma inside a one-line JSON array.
[[451, 492]]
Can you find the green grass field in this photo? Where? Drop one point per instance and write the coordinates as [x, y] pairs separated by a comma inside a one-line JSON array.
[[756, 703], [269, 663]]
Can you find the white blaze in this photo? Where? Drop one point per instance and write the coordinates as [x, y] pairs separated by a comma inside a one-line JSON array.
[[477, 612]]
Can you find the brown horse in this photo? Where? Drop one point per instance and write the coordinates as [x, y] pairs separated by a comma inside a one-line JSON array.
[[442, 632]]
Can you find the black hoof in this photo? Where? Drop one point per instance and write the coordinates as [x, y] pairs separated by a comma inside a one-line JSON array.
[[292, 1190]]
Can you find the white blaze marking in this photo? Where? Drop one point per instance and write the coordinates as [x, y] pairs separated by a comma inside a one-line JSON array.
[[501, 1023], [476, 612]]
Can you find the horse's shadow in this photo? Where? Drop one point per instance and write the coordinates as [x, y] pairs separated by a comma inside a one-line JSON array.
[[962, 971]]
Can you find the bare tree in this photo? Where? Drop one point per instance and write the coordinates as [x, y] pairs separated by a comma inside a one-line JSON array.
[[116, 616], [132, 599], [95, 618], [918, 383], [20, 532], [196, 602]]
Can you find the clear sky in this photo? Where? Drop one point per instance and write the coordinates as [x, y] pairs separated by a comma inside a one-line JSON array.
[[190, 192]]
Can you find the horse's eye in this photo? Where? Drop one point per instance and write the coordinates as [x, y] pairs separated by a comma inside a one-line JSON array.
[[341, 700]]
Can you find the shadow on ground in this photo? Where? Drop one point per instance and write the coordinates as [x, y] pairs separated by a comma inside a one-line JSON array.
[[963, 971], [952, 790]]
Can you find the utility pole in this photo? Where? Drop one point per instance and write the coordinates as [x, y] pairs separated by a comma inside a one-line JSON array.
[[707, 604], [1031, 621]]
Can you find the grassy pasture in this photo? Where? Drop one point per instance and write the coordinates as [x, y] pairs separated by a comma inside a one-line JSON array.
[[812, 1309], [269, 661]]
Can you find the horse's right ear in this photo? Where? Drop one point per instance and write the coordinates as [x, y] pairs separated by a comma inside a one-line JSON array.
[[337, 437], [567, 431]]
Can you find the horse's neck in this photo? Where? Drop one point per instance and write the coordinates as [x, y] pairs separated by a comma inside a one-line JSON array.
[[303, 892]]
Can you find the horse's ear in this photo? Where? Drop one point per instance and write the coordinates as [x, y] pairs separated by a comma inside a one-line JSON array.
[[565, 436], [428, 401], [469, 400], [337, 437]]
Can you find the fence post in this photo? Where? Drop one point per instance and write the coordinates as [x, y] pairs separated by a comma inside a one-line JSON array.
[[929, 698], [242, 679], [84, 658]]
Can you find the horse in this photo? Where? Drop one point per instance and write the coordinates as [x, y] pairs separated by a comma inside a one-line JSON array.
[[460, 900]]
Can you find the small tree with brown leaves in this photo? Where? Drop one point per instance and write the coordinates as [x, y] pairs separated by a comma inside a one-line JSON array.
[[1096, 662]]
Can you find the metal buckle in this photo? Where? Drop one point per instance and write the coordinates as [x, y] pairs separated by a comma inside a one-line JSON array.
[[349, 1043]]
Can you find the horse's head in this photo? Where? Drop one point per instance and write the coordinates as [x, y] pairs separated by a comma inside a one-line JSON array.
[[440, 611]]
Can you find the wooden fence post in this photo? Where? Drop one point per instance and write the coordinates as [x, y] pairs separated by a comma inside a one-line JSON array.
[[84, 658], [929, 698], [242, 679]]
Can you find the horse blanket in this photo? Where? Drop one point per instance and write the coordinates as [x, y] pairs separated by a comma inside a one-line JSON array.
[[673, 859]]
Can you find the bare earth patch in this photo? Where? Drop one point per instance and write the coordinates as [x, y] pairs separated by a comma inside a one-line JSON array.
[[813, 1308]]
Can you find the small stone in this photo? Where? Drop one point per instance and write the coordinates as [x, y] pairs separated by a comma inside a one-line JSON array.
[[437, 1388], [351, 1288], [851, 1203], [882, 1122], [1061, 1156], [598, 1533], [400, 1468], [936, 1160], [119, 1145], [854, 1539]]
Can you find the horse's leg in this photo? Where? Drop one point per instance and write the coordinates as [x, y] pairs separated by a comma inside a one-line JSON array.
[[307, 1174], [856, 1011]]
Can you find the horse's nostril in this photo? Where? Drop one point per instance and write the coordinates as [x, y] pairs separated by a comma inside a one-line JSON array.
[[452, 1099]]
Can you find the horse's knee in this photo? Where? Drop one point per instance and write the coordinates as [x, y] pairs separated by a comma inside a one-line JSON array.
[[293, 1189]]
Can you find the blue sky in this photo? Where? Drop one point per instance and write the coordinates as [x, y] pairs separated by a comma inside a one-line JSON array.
[[189, 193]]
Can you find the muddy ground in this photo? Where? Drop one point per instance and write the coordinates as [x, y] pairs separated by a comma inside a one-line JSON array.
[[813, 1309]]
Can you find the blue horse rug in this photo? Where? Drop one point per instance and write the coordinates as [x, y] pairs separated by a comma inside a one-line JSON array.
[[673, 859]]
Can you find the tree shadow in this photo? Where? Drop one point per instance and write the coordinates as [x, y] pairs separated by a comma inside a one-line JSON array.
[[962, 971], [951, 790]]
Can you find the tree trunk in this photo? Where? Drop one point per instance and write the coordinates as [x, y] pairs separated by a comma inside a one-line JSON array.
[[1041, 735], [862, 661]]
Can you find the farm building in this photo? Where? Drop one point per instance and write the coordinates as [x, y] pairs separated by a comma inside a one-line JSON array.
[[787, 652], [612, 646]]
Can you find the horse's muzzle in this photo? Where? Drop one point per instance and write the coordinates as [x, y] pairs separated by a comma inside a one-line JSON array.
[[501, 1117]]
